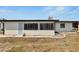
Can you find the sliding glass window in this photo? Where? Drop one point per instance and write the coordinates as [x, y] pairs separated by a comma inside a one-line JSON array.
[[46, 26], [31, 26]]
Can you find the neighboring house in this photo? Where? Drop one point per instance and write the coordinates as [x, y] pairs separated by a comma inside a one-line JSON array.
[[38, 27]]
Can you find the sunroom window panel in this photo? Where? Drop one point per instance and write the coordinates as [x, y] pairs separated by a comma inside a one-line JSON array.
[[33, 26], [46, 26], [52, 27], [36, 26], [25, 26]]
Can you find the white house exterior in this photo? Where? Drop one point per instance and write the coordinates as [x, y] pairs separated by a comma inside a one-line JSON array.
[[38, 27], [1, 26], [68, 27], [18, 27]]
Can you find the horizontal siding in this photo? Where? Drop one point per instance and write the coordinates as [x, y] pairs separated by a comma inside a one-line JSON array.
[[68, 27], [11, 28]]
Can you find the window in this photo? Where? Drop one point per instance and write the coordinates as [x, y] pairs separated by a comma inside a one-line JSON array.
[[31, 26], [62, 25], [46, 26], [75, 24]]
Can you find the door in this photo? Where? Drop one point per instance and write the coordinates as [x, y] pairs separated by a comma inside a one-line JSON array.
[[20, 28]]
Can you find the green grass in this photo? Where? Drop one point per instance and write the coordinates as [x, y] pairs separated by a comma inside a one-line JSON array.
[[16, 49]]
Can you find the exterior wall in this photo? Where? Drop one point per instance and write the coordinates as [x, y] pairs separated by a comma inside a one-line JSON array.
[[68, 27], [39, 32], [1, 26], [11, 28], [18, 28]]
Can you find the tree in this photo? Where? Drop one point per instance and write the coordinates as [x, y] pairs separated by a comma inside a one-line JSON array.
[[50, 18]]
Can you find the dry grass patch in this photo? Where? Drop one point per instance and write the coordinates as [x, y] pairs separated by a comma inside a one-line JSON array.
[[69, 43]]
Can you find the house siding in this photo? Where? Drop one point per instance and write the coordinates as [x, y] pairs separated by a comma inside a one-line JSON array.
[[1, 26], [11, 28], [68, 27], [18, 29]]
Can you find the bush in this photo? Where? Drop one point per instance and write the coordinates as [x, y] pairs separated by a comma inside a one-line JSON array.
[[24, 34]]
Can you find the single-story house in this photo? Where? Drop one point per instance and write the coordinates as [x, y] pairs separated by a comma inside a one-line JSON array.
[[37, 27]]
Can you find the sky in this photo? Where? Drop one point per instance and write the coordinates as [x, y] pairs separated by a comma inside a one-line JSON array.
[[40, 12]]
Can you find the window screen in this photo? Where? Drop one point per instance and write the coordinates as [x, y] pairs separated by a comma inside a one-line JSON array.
[[46, 26], [33, 26]]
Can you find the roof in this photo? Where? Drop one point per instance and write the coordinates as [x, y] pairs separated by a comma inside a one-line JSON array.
[[42, 20], [27, 20], [69, 21]]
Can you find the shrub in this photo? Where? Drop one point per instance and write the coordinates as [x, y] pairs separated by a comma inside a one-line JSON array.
[[24, 34]]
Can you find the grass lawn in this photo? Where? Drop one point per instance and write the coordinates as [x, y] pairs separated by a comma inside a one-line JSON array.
[[69, 43]]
